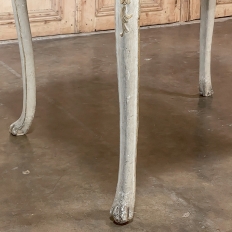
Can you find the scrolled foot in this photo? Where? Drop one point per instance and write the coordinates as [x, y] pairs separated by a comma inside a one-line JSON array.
[[18, 129], [122, 214], [206, 93]]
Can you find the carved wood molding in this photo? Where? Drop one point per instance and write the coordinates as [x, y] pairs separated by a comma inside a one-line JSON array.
[[146, 6], [53, 14], [185, 10], [224, 2], [103, 10], [151, 5]]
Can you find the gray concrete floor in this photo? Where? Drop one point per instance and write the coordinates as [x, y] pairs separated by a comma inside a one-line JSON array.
[[184, 177]]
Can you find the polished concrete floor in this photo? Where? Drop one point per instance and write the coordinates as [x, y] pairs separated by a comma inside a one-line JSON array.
[[62, 176]]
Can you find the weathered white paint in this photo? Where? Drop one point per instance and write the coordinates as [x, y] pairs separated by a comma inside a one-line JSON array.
[[21, 126], [206, 33], [127, 46]]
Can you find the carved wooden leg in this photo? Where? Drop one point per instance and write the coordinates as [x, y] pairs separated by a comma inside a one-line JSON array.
[[21, 126], [206, 34], [127, 45]]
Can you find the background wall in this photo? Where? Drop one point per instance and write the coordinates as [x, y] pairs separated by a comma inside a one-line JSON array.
[[52, 17]]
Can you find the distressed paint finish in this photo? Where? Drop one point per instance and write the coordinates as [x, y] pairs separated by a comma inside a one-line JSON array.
[[127, 47], [22, 125], [206, 34]]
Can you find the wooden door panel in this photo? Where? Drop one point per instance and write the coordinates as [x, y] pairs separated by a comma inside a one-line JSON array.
[[47, 17], [99, 14], [159, 12], [223, 9]]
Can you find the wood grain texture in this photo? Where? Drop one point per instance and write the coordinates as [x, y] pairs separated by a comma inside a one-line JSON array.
[[223, 9], [54, 17], [47, 17], [184, 10], [99, 14]]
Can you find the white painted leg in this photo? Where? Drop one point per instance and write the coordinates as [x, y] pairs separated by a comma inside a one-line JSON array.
[[206, 34], [21, 126], [127, 45]]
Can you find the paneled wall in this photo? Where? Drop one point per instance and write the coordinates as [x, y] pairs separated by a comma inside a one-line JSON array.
[[99, 14], [224, 9], [48, 17], [52, 17]]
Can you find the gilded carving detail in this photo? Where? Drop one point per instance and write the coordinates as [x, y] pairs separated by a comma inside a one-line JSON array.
[[125, 17]]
